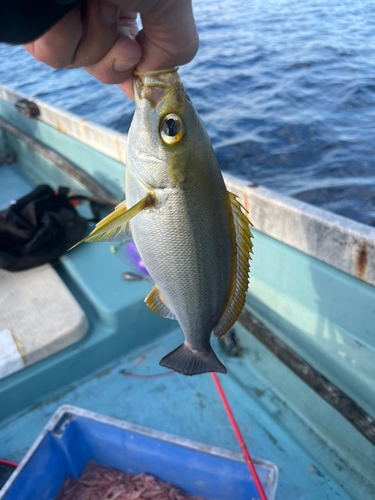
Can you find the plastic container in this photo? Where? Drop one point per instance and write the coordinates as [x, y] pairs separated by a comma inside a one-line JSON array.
[[74, 436]]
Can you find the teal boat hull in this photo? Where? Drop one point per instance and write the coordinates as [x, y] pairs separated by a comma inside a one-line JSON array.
[[320, 306]]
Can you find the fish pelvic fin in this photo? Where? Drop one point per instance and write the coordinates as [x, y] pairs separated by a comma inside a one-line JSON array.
[[244, 248], [157, 303], [115, 227], [188, 362]]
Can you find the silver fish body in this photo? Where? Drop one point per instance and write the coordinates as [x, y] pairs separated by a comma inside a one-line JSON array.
[[186, 249], [185, 240], [191, 233]]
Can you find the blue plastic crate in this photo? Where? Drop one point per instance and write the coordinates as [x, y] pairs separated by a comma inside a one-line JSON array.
[[74, 436]]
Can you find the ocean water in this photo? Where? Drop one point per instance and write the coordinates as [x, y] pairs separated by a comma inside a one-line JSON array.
[[285, 88]]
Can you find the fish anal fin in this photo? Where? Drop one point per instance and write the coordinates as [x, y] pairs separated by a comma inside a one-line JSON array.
[[114, 227], [244, 247], [188, 362], [157, 303]]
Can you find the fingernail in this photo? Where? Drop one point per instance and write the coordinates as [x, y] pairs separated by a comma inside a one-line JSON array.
[[109, 11], [122, 66]]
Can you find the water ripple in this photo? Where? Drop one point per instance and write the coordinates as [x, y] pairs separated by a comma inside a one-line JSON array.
[[285, 88]]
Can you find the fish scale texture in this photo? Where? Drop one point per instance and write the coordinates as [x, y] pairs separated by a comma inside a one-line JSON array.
[[187, 238], [185, 244]]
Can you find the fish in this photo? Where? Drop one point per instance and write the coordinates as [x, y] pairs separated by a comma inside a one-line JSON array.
[[192, 234]]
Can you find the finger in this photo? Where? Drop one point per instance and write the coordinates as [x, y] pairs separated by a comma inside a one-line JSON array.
[[119, 62], [169, 37], [99, 20], [57, 47], [81, 38], [127, 87]]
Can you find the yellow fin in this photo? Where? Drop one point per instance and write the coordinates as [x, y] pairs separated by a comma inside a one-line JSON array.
[[244, 247], [114, 227], [157, 303], [123, 204]]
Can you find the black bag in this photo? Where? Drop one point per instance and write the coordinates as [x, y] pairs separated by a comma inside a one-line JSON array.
[[39, 228]]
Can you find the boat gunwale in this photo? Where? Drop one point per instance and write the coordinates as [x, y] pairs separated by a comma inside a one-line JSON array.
[[338, 241]]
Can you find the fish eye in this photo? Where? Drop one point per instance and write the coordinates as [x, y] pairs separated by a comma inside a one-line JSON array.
[[171, 129]]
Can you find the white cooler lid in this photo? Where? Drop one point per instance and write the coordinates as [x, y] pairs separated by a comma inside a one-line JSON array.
[[38, 317]]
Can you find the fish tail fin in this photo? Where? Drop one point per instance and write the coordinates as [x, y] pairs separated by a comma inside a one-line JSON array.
[[188, 362]]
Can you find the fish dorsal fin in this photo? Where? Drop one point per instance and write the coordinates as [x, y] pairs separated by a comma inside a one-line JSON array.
[[244, 247], [157, 303], [114, 227]]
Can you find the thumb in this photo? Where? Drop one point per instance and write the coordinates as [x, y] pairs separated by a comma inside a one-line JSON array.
[[169, 36]]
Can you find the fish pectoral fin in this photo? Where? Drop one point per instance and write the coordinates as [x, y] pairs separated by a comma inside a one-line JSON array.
[[188, 362], [157, 303], [114, 227], [121, 205], [244, 249]]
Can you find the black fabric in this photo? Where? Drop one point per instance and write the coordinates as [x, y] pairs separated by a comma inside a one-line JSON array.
[[22, 21], [38, 228]]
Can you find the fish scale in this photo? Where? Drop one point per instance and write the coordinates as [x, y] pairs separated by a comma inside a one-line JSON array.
[[192, 290], [191, 233]]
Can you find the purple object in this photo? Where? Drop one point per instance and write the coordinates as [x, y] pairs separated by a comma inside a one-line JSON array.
[[132, 253]]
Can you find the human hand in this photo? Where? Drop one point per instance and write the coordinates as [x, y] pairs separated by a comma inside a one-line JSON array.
[[103, 38]]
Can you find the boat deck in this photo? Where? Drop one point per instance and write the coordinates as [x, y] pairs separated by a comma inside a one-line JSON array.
[[318, 453], [190, 407]]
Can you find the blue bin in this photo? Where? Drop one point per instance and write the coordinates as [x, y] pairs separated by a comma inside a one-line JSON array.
[[74, 436]]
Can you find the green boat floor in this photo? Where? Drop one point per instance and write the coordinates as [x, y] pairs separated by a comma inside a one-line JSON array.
[[191, 408]]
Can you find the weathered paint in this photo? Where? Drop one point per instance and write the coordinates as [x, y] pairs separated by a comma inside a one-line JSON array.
[[362, 261], [331, 238], [311, 466], [319, 311], [328, 237], [325, 315], [95, 136], [108, 172]]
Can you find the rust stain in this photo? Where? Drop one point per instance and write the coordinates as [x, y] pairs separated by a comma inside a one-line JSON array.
[[81, 125], [362, 261], [118, 149], [60, 127], [245, 203]]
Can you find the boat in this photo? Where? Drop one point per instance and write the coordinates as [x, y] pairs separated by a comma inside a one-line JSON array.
[[300, 359]]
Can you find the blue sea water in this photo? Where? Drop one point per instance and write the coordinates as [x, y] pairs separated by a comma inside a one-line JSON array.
[[285, 88]]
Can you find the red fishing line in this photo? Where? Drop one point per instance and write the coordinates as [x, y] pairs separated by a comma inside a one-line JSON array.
[[8, 463], [239, 437]]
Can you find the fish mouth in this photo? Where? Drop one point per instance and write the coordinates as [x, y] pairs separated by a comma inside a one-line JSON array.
[[155, 85]]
